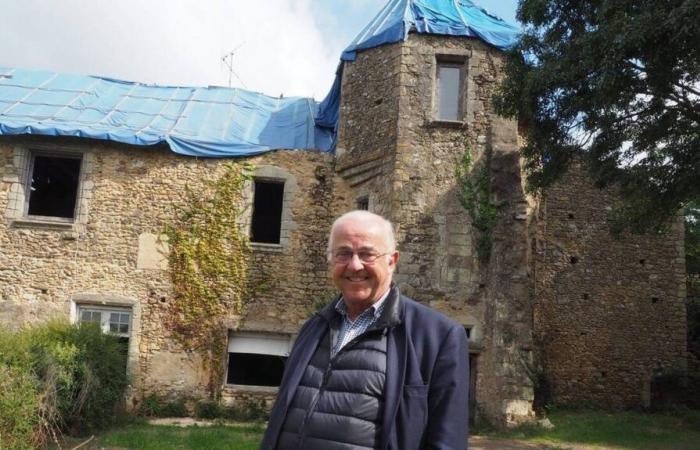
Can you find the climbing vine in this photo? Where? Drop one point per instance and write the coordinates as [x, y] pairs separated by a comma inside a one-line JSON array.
[[474, 188], [208, 269]]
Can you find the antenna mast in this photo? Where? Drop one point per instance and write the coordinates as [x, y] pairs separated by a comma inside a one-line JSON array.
[[227, 59]]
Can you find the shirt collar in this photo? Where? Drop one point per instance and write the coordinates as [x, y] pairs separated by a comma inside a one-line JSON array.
[[376, 307]]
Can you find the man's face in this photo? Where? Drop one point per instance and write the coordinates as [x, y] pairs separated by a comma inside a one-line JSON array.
[[362, 283]]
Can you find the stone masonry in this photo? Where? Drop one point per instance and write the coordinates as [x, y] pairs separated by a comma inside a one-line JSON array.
[[103, 258], [610, 311]]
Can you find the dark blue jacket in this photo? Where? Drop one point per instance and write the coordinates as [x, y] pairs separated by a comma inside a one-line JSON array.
[[426, 390]]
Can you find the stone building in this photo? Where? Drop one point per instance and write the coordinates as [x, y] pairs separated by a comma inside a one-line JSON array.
[[559, 299]]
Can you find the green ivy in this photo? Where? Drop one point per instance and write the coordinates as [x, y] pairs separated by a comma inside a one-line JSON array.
[[208, 267], [474, 188]]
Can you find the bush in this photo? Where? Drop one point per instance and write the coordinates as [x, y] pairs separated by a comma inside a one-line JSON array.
[[155, 406], [58, 377], [19, 409], [208, 410]]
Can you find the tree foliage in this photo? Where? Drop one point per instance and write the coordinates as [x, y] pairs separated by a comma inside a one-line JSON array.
[[616, 83]]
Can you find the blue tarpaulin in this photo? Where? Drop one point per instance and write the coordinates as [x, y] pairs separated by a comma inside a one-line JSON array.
[[194, 121], [217, 121], [398, 18]]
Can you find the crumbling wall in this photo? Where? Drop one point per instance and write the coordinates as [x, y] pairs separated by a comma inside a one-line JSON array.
[[610, 311]]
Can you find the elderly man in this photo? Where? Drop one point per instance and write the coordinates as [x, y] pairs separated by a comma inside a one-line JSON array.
[[373, 369]]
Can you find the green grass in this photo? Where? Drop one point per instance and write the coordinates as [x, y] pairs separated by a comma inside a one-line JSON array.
[[624, 430], [159, 437]]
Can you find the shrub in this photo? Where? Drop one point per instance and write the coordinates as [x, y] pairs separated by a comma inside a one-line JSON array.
[[208, 410], [57, 377], [19, 409], [154, 405]]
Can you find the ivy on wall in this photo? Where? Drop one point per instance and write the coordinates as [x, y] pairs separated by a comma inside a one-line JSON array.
[[208, 267], [474, 189]]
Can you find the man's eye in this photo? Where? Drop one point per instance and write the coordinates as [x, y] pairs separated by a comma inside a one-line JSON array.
[[367, 256], [343, 254]]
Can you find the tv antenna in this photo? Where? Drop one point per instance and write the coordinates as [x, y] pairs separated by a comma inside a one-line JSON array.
[[227, 59]]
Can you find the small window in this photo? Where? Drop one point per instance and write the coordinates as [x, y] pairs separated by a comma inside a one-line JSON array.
[[53, 186], [115, 321], [257, 359], [448, 91], [267, 211], [363, 203]]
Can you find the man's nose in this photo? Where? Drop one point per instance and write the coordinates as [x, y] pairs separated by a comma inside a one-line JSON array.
[[355, 262]]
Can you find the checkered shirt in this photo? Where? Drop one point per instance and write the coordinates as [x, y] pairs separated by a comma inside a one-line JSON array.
[[350, 329]]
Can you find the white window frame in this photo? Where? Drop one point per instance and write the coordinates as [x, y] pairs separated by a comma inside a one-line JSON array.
[[105, 313], [259, 343]]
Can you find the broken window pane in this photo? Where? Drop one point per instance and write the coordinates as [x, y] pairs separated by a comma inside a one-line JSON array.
[[448, 95], [53, 189], [267, 212]]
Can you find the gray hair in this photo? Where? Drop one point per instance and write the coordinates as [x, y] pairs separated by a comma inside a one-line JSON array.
[[387, 228]]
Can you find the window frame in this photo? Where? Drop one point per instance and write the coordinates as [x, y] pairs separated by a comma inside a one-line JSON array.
[[453, 61], [33, 153], [253, 335], [105, 318]]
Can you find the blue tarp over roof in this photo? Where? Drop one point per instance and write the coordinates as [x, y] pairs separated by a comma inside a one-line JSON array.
[[398, 18], [194, 121], [217, 121]]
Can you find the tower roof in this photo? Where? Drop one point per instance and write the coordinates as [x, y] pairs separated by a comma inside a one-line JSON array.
[[465, 18]]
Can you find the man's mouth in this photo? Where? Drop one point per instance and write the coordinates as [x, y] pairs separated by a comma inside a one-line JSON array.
[[356, 279]]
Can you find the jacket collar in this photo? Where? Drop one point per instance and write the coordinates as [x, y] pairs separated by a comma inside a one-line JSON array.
[[391, 315]]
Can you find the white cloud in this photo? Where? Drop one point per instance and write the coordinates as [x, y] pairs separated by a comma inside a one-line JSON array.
[[176, 42]]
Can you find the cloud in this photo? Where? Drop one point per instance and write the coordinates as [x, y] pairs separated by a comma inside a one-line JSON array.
[[280, 46]]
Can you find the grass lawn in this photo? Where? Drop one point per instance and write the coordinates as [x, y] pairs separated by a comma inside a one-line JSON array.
[[624, 430], [162, 437], [589, 429]]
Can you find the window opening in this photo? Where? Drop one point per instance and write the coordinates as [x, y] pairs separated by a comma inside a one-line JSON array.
[[115, 321], [53, 186], [256, 370], [267, 211], [257, 359], [449, 91], [363, 203]]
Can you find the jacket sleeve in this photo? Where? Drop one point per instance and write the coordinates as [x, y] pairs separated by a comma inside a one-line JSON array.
[[448, 395]]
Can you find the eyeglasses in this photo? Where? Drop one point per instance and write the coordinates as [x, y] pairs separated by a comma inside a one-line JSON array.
[[345, 256]]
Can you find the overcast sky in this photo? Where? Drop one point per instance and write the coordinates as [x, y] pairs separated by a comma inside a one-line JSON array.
[[280, 46]]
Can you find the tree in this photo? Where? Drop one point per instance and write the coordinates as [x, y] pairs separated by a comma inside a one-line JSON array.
[[617, 84]]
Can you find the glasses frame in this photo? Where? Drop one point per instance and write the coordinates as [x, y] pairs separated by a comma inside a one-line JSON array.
[[334, 257]]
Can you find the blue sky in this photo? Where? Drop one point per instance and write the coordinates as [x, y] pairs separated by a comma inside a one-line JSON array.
[[281, 46]]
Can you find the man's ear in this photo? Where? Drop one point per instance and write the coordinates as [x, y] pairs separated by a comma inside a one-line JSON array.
[[394, 259]]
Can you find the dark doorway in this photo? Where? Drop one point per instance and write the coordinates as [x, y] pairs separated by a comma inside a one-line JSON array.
[[472, 387]]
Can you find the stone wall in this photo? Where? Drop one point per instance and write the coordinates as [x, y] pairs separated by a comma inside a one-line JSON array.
[[610, 311], [109, 255]]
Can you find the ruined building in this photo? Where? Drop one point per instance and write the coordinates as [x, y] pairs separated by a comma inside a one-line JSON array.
[[91, 171]]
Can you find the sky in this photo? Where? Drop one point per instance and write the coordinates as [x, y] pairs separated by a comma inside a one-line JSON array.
[[289, 47]]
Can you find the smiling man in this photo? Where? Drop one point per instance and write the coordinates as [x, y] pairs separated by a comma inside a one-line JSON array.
[[373, 369]]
